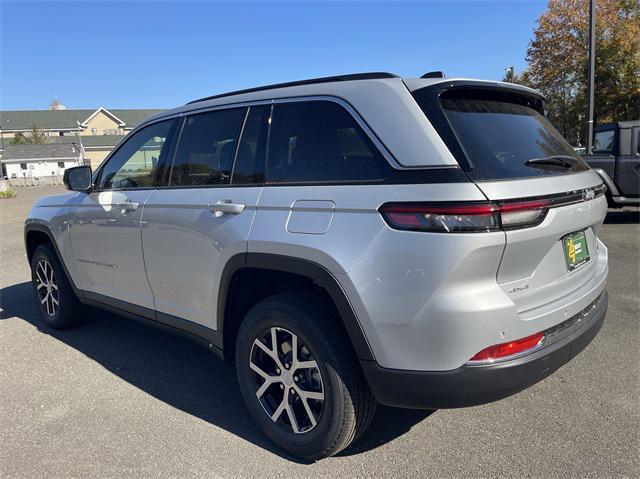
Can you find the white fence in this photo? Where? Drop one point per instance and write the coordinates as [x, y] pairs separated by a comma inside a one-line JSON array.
[[34, 181]]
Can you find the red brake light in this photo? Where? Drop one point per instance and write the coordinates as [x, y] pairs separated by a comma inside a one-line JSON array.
[[506, 350], [464, 217]]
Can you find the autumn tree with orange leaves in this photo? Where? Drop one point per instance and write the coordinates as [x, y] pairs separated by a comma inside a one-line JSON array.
[[557, 63]]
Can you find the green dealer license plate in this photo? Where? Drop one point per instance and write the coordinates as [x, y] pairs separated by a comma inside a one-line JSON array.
[[576, 252]]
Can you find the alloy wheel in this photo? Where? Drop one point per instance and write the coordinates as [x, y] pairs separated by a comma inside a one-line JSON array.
[[288, 382], [47, 287]]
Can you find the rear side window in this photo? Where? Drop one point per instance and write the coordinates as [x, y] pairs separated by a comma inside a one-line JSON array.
[[604, 141], [320, 142], [207, 147], [502, 137], [249, 165]]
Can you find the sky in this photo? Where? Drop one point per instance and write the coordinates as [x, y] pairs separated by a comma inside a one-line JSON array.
[[160, 54]]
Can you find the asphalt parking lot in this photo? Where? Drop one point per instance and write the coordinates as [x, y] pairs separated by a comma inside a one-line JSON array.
[[118, 399]]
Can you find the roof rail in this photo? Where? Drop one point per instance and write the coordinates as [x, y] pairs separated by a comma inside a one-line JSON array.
[[435, 74], [311, 81]]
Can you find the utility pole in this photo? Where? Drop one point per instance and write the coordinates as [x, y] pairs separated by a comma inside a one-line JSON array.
[[592, 68]]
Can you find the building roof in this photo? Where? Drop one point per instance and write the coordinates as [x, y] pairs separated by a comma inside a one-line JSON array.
[[46, 151], [88, 141], [65, 119]]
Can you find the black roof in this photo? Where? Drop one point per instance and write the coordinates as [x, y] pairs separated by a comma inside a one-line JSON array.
[[619, 124], [311, 81]]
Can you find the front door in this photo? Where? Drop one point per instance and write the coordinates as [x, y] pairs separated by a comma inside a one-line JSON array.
[[193, 227], [105, 229]]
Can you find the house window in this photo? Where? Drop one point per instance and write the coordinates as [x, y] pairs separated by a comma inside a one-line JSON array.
[[23, 166], [61, 164]]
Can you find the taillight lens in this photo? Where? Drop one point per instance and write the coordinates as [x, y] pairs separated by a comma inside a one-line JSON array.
[[508, 350], [463, 217]]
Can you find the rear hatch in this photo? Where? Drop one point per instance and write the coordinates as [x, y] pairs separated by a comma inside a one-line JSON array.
[[501, 138]]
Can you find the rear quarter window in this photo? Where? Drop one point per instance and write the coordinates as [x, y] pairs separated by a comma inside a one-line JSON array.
[[320, 142]]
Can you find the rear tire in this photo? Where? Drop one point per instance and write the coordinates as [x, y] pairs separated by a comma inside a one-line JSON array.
[[322, 427], [55, 299]]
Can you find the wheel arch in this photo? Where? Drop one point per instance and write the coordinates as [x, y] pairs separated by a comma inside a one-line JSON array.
[[316, 274], [36, 234]]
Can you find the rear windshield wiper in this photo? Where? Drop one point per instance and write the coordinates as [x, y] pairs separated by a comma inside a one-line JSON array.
[[564, 161]]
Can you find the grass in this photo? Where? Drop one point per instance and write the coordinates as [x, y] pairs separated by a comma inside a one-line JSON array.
[[6, 194]]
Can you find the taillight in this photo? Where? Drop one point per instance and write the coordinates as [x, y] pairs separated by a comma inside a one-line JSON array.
[[464, 217], [508, 350]]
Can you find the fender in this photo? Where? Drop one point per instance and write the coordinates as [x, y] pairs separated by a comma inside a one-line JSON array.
[[320, 275], [42, 228]]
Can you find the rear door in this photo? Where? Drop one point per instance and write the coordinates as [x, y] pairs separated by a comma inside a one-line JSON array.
[[627, 174], [512, 153], [202, 216]]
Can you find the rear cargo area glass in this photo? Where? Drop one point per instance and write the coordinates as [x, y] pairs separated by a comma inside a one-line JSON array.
[[499, 137]]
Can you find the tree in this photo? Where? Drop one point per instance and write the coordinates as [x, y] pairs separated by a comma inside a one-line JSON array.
[[36, 136], [19, 139], [557, 63]]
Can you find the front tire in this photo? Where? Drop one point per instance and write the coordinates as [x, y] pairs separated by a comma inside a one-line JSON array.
[[55, 299], [299, 376]]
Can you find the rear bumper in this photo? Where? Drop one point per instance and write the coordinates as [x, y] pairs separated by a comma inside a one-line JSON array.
[[472, 385]]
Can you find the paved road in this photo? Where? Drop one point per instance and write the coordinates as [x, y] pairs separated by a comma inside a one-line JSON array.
[[117, 399]]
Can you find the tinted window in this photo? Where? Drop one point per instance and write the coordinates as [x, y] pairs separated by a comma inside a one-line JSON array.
[[207, 146], [249, 165], [137, 163], [499, 133], [320, 142], [604, 140]]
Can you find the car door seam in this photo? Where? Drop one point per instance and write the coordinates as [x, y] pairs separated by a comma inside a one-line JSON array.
[[144, 259]]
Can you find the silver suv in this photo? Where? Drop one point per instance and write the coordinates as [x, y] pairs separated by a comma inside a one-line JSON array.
[[347, 241]]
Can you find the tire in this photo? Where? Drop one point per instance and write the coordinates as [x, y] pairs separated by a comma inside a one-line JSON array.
[[348, 405], [55, 299]]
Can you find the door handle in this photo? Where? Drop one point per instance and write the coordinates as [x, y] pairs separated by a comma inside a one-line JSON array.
[[226, 207], [127, 206]]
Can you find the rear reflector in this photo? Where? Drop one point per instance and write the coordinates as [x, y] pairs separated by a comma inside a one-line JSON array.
[[464, 217], [509, 350]]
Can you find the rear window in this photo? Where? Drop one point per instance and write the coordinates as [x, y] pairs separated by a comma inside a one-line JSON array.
[[604, 140], [503, 138]]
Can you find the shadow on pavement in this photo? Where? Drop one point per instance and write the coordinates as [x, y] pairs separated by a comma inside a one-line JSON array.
[[626, 216], [181, 373]]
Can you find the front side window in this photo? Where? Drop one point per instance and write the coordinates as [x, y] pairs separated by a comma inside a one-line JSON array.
[[604, 141], [320, 142], [136, 164], [207, 147]]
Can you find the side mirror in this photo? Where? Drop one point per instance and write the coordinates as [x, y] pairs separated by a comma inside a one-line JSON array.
[[77, 178]]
